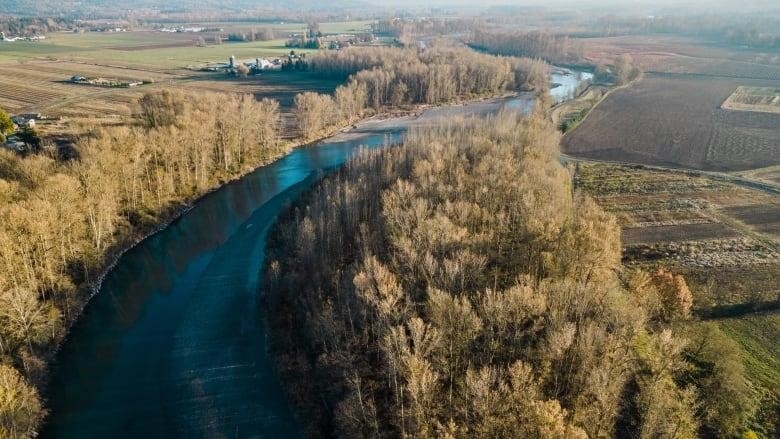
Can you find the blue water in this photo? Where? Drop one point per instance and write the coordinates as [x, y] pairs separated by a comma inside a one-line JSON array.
[[174, 344]]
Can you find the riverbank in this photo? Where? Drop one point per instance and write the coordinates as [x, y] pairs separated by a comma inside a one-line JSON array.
[[176, 211], [153, 276]]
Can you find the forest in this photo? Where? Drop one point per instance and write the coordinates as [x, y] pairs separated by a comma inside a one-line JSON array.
[[751, 31], [458, 286], [63, 221], [557, 49], [379, 78]]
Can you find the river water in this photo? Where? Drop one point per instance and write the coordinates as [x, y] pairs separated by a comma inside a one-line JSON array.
[[174, 344]]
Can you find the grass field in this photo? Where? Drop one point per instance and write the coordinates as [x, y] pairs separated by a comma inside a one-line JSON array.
[[770, 174], [676, 120], [163, 49], [766, 99], [150, 50]]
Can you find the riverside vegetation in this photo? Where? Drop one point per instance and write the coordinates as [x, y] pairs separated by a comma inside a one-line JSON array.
[[458, 286], [65, 219], [62, 220], [379, 78]]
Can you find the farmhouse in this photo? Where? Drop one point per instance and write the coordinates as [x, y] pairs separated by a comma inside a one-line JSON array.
[[26, 120]]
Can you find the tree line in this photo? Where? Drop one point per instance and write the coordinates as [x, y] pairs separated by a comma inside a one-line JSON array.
[[59, 221], [28, 26], [534, 44], [264, 34], [380, 78], [407, 31], [458, 286], [744, 30]]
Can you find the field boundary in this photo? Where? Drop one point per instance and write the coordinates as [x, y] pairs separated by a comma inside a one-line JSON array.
[[718, 176]]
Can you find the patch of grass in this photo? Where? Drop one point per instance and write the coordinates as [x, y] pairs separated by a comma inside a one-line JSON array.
[[758, 336]]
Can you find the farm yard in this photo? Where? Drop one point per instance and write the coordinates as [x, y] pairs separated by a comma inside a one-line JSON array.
[[676, 120], [723, 238]]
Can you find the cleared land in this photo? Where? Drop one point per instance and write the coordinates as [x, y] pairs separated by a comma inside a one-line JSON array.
[[766, 99], [676, 120]]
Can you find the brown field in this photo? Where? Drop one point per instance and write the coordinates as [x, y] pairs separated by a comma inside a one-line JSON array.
[[682, 232], [763, 218], [764, 99], [676, 120], [724, 238], [769, 174], [43, 87], [675, 54]]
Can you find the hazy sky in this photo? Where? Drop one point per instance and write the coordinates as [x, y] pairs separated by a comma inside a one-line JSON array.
[[623, 6]]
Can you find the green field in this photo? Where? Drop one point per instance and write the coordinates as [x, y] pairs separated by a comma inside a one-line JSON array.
[[758, 335], [135, 50], [160, 49]]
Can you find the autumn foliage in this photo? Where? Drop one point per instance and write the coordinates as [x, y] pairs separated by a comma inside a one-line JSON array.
[[60, 222], [457, 286], [378, 79]]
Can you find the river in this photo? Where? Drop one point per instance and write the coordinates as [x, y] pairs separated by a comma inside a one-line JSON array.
[[174, 343]]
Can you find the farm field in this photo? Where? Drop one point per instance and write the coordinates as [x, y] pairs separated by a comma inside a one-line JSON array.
[[716, 235], [766, 99], [685, 55], [706, 228], [36, 74], [163, 50], [769, 174], [148, 50], [676, 120]]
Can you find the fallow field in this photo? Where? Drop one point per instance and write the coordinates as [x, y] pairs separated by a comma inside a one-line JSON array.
[[677, 120], [686, 55]]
